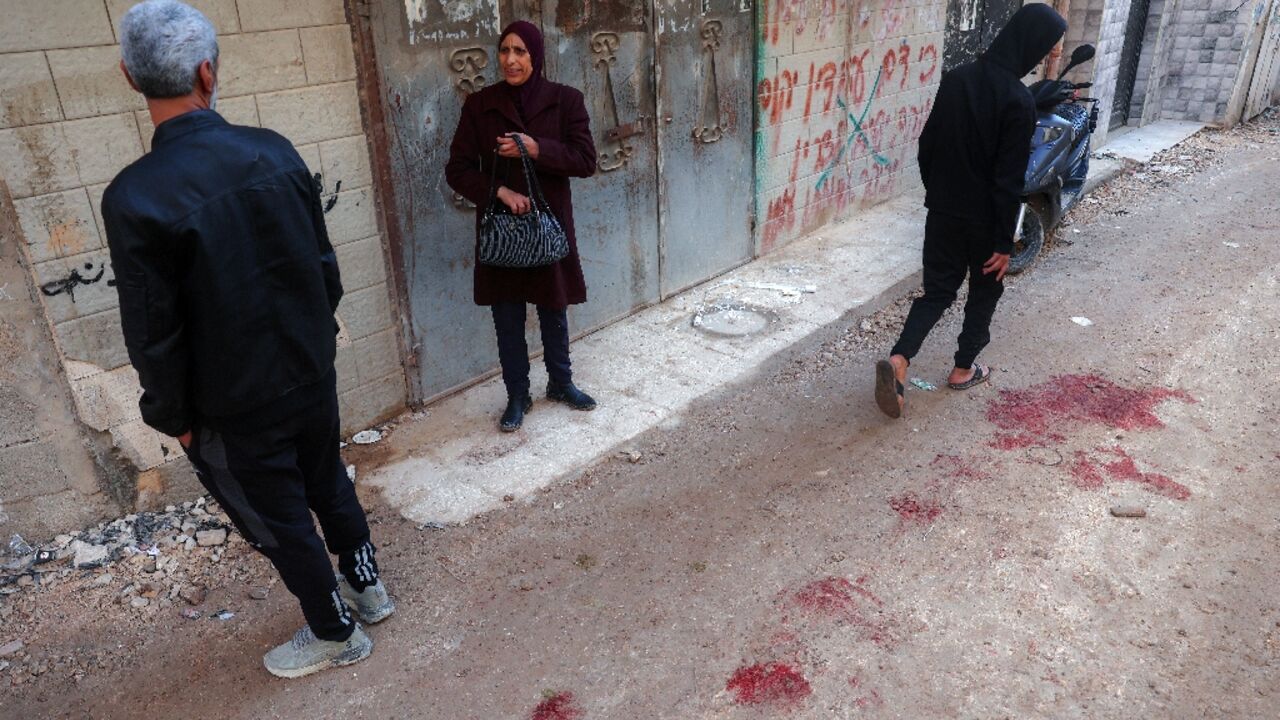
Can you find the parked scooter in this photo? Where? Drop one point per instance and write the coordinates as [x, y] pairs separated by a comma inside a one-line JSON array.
[[1059, 163]]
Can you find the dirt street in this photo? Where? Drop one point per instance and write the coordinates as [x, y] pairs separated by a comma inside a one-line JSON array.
[[786, 551]]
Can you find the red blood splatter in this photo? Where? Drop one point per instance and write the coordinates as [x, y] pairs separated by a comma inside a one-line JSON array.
[[1040, 412], [957, 468], [1126, 469], [768, 683], [1085, 472], [838, 599], [868, 700], [1088, 472], [912, 509], [557, 707]]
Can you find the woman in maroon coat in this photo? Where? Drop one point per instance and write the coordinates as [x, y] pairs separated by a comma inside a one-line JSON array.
[[553, 123]]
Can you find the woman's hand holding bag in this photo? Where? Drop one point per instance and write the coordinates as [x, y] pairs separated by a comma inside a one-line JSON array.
[[532, 239]]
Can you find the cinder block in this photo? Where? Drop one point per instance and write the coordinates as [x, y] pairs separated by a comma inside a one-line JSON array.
[[351, 217], [362, 264], [260, 62], [95, 339], [222, 13], [237, 111], [329, 55], [90, 82], [365, 312], [58, 225], [347, 161], [310, 155], [144, 447], [103, 146], [36, 160], [77, 286], [345, 365], [27, 94], [377, 356], [323, 112], [277, 14], [373, 402], [108, 399], [42, 25]]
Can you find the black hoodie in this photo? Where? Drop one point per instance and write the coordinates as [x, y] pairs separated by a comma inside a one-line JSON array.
[[977, 140]]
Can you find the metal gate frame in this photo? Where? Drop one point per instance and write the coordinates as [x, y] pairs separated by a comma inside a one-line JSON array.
[[1130, 58]]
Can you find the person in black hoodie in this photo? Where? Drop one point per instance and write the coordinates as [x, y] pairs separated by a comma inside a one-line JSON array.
[[973, 157], [228, 284]]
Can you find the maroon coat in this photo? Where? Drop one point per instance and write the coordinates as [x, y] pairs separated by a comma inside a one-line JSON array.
[[558, 121]]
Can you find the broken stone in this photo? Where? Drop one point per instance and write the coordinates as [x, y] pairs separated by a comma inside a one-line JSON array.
[[366, 437], [89, 556], [259, 593], [19, 547], [139, 603], [1128, 511], [26, 581], [150, 590], [190, 544], [191, 613], [351, 473], [211, 538], [193, 594], [104, 579], [12, 647]]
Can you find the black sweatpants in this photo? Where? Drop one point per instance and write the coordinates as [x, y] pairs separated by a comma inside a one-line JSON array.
[[269, 482], [953, 248], [513, 351]]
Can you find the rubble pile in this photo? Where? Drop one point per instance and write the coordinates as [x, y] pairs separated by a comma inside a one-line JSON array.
[[131, 571]]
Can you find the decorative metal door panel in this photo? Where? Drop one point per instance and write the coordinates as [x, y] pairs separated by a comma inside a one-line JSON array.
[[705, 176], [605, 49], [430, 56]]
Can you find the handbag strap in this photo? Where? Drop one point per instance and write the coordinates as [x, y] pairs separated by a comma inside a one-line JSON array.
[[530, 178]]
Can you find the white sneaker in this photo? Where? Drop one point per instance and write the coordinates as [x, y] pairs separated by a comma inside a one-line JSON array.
[[373, 605], [306, 653]]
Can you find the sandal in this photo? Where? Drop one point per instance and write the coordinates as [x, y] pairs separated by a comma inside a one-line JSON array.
[[981, 374], [891, 395]]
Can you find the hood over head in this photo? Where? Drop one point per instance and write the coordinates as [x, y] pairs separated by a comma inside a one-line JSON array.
[[1027, 38]]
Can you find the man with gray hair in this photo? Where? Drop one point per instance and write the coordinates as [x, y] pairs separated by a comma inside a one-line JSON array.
[[228, 286]]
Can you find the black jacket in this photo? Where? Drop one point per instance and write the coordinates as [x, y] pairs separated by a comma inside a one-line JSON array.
[[976, 143], [226, 277]]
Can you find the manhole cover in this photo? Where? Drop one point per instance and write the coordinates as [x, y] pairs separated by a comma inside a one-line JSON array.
[[732, 319]]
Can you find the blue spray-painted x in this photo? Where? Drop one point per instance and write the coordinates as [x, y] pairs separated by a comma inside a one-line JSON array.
[[857, 133]]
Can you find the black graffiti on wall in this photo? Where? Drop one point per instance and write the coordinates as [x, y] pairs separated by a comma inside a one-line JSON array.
[[67, 285]]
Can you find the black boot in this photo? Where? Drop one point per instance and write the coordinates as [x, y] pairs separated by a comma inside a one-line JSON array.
[[570, 395], [513, 418]]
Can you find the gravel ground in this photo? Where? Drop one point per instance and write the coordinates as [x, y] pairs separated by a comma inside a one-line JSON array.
[[786, 551]]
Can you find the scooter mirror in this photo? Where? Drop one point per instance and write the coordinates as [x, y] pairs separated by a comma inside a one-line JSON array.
[[1079, 56]]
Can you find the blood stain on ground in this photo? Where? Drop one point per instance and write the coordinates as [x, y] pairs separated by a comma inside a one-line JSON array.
[[958, 468], [911, 508], [1039, 413], [836, 598], [1091, 473], [774, 683], [559, 706]]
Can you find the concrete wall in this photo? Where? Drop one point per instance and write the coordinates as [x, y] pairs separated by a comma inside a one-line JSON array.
[[69, 122], [1206, 62], [844, 88]]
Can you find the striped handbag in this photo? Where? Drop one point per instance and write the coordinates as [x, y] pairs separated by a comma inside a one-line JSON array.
[[534, 239]]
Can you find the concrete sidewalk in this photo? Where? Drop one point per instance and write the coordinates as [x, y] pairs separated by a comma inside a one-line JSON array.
[[449, 463]]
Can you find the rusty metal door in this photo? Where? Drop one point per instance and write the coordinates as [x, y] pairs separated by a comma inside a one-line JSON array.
[[670, 204], [705, 177], [429, 55], [605, 49]]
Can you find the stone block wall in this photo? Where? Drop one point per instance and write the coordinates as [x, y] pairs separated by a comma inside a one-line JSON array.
[[69, 122], [1206, 62], [844, 89]]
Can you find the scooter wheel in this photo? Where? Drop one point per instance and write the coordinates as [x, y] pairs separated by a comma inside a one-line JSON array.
[[1028, 245]]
